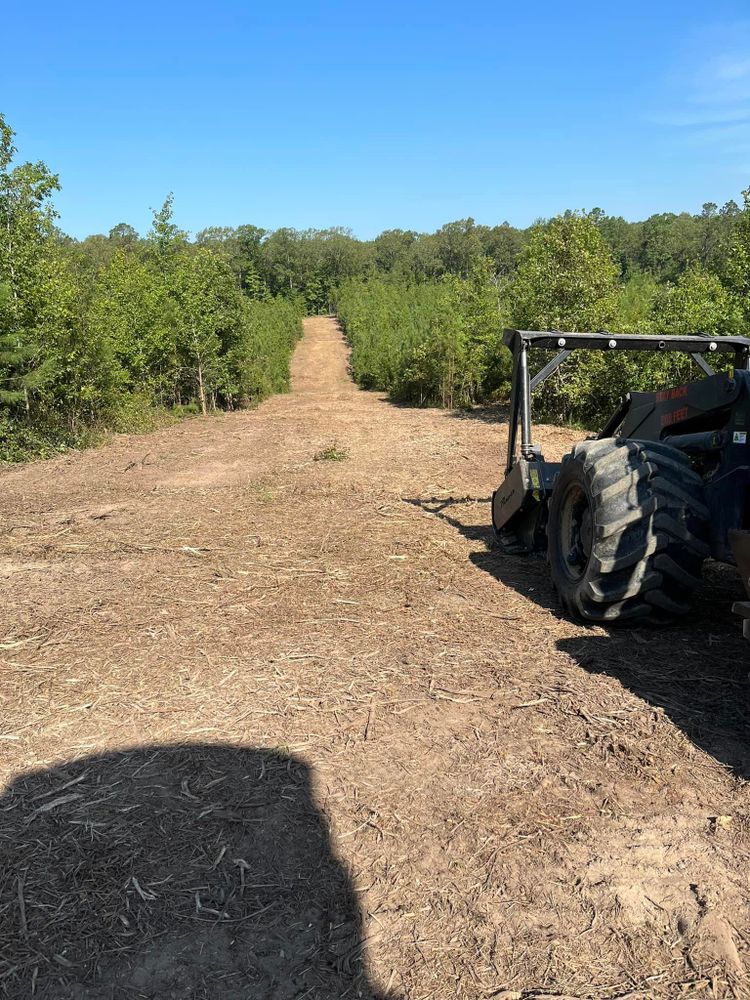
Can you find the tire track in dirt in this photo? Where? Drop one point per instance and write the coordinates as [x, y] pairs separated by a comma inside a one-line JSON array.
[[523, 804]]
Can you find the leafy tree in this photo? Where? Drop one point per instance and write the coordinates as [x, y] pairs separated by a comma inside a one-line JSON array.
[[566, 278], [249, 257], [253, 285], [14, 356], [26, 242], [133, 305], [165, 239], [79, 379], [258, 358], [697, 303], [430, 343], [123, 235], [501, 244], [424, 262], [340, 257], [669, 243], [634, 311], [481, 315], [285, 262], [738, 260], [457, 245], [391, 250], [623, 239], [207, 311], [316, 295]]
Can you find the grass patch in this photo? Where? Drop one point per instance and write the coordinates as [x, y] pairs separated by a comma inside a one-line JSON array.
[[333, 453]]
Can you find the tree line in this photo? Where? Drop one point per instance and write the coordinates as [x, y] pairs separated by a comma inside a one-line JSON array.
[[440, 341], [313, 262], [121, 330], [425, 312]]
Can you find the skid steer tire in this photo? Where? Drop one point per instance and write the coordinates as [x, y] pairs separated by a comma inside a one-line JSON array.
[[627, 532]]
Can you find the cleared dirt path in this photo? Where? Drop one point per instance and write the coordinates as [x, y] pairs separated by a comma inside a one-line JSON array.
[[403, 773]]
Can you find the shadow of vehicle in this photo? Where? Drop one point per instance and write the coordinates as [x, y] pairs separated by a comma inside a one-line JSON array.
[[441, 507], [527, 574], [196, 871], [696, 669]]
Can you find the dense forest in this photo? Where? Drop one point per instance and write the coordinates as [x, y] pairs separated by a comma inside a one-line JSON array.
[[122, 331]]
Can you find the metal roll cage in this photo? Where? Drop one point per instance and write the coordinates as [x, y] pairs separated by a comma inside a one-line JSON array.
[[523, 383]]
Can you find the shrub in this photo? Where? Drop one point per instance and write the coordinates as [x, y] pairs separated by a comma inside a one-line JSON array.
[[429, 344]]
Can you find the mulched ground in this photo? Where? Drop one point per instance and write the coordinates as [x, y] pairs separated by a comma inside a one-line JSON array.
[[280, 725]]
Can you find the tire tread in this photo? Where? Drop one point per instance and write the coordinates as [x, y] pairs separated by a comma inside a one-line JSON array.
[[650, 531]]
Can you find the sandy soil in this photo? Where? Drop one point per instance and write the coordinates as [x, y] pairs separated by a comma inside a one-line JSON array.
[[279, 726]]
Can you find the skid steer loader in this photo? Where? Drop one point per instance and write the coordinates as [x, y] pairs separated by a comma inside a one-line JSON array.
[[628, 517]]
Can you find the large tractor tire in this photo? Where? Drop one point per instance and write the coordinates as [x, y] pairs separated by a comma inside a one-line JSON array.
[[627, 532]]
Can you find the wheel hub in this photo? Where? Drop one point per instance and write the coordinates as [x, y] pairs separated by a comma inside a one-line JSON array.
[[577, 531]]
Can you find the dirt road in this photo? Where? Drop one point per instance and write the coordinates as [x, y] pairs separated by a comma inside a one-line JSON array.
[[280, 726]]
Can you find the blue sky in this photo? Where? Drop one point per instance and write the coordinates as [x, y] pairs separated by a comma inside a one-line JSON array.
[[379, 115]]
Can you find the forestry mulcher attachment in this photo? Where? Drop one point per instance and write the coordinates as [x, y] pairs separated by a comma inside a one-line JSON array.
[[628, 517]]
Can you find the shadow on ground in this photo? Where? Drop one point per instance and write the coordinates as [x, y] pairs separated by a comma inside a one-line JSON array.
[[498, 414], [493, 414], [526, 574], [696, 671], [175, 872]]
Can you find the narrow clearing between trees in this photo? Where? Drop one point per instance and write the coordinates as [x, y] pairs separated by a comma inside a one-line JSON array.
[[279, 725]]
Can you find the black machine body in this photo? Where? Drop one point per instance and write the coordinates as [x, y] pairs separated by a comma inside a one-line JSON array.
[[699, 432]]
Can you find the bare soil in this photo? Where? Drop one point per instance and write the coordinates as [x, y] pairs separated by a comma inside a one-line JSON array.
[[279, 725]]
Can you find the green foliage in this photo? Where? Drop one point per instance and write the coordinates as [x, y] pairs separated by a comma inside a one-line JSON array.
[[258, 360], [636, 298], [738, 261], [117, 332], [440, 341], [20, 441], [566, 278], [331, 454], [437, 343], [697, 302]]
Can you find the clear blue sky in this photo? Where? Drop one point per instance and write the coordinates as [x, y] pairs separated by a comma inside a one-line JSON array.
[[378, 115]]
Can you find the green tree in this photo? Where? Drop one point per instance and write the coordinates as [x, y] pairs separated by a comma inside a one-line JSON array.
[[133, 305], [26, 244], [207, 301], [165, 239], [458, 245], [698, 302], [738, 260], [391, 250], [502, 244], [14, 356], [285, 262], [636, 298], [79, 379], [123, 235], [566, 278], [669, 243]]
